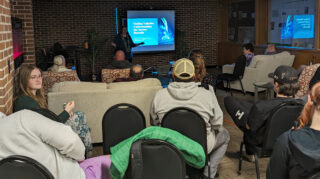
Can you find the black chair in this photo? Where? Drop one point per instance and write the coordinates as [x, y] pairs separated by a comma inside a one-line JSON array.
[[237, 74], [120, 122], [189, 123], [281, 119], [156, 159], [17, 166]]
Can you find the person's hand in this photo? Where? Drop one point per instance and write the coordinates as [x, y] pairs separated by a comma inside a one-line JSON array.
[[69, 107], [141, 43], [114, 45]]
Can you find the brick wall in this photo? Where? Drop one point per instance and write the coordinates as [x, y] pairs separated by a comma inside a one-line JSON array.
[[67, 22], [6, 59], [22, 9]]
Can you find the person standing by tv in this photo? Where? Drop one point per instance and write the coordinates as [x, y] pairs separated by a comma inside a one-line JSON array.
[[123, 41]]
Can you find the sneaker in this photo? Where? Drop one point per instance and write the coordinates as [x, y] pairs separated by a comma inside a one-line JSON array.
[[250, 158]]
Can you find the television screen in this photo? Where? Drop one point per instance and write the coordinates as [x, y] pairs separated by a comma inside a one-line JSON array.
[[298, 27], [153, 27]]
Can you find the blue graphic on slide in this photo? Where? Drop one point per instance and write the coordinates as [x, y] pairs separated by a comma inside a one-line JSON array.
[[287, 28], [144, 30], [165, 32]]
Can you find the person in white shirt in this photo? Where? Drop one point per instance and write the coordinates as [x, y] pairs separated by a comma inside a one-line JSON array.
[[52, 144]]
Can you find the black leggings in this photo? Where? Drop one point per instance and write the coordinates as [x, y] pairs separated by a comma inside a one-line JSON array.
[[238, 110]]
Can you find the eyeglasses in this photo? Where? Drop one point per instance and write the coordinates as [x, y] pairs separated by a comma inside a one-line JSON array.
[[35, 77]]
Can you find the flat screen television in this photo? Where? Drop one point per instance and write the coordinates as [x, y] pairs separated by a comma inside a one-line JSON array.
[[298, 27], [156, 28]]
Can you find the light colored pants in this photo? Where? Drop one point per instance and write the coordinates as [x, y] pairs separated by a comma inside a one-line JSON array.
[[97, 167], [218, 151]]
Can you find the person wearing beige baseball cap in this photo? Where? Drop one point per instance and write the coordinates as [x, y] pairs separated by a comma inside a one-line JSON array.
[[184, 92]]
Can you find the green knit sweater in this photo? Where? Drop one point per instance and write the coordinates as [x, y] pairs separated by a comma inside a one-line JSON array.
[[192, 151], [26, 102]]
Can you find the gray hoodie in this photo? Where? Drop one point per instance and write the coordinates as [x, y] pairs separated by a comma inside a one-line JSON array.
[[190, 95]]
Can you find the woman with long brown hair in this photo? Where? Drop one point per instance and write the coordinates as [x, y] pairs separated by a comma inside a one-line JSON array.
[[201, 74], [296, 153], [28, 94]]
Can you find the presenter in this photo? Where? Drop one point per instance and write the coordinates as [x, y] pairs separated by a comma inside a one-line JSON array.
[[124, 42]]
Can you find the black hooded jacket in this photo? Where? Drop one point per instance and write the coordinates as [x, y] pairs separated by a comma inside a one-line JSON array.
[[296, 155]]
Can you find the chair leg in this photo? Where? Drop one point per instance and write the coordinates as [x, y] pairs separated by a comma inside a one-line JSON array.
[[240, 158], [209, 172], [229, 86], [257, 166], [244, 93], [215, 86]]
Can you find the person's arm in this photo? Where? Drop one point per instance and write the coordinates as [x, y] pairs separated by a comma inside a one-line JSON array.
[[115, 42], [63, 116], [217, 120], [57, 135], [154, 120], [278, 164], [132, 43]]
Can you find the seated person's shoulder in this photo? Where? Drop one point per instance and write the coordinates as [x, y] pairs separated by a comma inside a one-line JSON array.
[[270, 104], [24, 99], [24, 102]]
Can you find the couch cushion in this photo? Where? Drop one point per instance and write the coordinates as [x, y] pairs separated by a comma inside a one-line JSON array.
[[135, 84], [70, 86]]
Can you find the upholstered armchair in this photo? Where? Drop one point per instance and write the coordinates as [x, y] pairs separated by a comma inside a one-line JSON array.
[[258, 70], [50, 78], [109, 75], [305, 78]]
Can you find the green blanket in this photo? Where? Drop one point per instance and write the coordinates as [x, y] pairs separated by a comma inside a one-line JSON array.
[[192, 151]]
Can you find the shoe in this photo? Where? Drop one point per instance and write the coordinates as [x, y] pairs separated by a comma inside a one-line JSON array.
[[250, 158], [216, 176]]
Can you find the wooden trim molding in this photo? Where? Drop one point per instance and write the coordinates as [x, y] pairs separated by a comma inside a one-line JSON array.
[[261, 21]]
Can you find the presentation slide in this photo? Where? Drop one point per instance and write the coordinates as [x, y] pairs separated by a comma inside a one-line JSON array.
[[298, 27], [303, 26], [154, 28]]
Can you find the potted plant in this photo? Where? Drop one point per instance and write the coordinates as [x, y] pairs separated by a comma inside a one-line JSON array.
[[95, 44]]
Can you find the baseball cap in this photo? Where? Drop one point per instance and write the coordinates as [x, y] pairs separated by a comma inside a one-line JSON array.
[[183, 69], [284, 74]]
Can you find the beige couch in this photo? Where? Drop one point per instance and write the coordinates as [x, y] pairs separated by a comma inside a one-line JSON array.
[[94, 99], [259, 69]]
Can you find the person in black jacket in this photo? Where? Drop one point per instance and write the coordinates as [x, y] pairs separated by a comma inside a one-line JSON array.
[[296, 153], [124, 42], [251, 118]]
